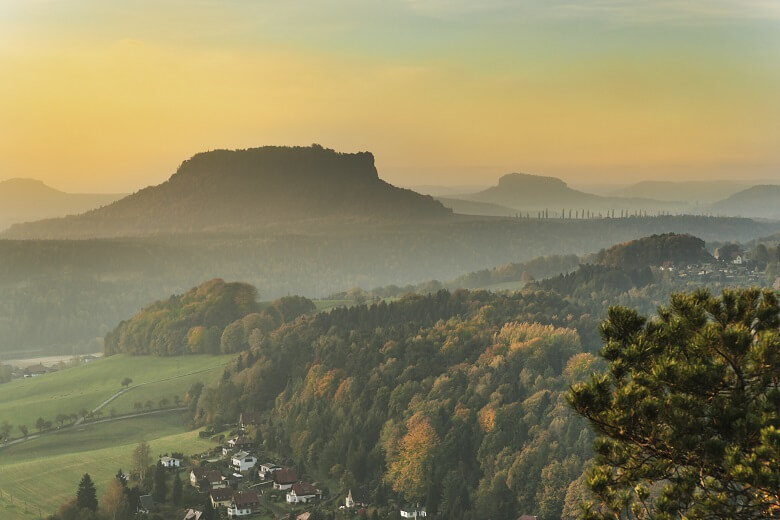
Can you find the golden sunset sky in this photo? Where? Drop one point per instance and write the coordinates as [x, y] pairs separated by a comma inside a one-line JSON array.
[[108, 95]]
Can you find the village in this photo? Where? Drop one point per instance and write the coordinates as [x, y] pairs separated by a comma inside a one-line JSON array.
[[731, 267], [232, 481]]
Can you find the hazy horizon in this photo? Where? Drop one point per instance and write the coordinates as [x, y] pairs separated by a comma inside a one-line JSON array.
[[112, 97]]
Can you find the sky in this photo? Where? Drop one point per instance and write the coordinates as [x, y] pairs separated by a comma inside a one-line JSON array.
[[111, 96]]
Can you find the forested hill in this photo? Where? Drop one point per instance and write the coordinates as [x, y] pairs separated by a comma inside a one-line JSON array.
[[242, 190], [207, 319], [455, 400], [654, 251]]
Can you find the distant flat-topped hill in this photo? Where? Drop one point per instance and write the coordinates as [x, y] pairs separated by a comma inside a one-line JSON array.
[[761, 201], [526, 192], [23, 200], [241, 190]]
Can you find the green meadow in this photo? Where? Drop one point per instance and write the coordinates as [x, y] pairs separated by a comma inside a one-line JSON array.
[[85, 387], [42, 473]]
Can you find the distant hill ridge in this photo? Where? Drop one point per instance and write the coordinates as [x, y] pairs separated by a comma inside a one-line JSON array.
[[761, 201], [526, 192], [243, 189], [24, 200]]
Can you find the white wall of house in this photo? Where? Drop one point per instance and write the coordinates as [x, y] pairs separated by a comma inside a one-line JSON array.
[[292, 498], [237, 512], [244, 463]]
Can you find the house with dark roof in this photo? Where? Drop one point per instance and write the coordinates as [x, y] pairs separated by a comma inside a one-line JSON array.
[[145, 504], [35, 370], [242, 442], [207, 478], [285, 478], [301, 493], [246, 500], [249, 419], [221, 497]]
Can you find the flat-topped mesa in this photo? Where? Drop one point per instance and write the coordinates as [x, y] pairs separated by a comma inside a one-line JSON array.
[[283, 163], [529, 181], [241, 190]]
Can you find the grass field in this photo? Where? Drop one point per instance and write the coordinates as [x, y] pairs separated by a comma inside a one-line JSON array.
[[86, 386], [44, 472]]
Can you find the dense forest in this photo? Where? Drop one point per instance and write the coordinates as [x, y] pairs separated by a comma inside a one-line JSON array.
[[60, 296], [455, 400]]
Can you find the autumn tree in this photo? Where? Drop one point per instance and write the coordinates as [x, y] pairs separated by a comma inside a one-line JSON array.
[[409, 471], [114, 504], [141, 459], [688, 410]]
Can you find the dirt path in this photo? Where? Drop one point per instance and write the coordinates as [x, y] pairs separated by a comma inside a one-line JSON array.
[[80, 420], [100, 421]]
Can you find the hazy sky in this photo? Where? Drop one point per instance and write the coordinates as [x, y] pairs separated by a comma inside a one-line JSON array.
[[105, 95]]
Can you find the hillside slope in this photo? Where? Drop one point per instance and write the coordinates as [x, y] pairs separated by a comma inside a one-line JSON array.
[[242, 190], [761, 201], [701, 192]]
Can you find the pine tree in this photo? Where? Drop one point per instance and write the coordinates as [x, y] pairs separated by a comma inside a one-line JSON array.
[[160, 486], [687, 412], [86, 496], [177, 490], [208, 510]]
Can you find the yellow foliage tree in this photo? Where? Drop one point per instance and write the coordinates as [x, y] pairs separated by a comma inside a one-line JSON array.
[[408, 472]]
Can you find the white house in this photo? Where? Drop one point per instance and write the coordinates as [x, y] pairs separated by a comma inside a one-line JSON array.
[[301, 493], [267, 469], [413, 512], [170, 462], [738, 260], [235, 511], [243, 461]]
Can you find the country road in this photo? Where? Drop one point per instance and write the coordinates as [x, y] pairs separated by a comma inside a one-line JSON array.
[[100, 421], [80, 420]]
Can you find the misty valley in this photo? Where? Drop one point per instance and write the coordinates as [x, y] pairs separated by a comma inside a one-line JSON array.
[[277, 332]]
